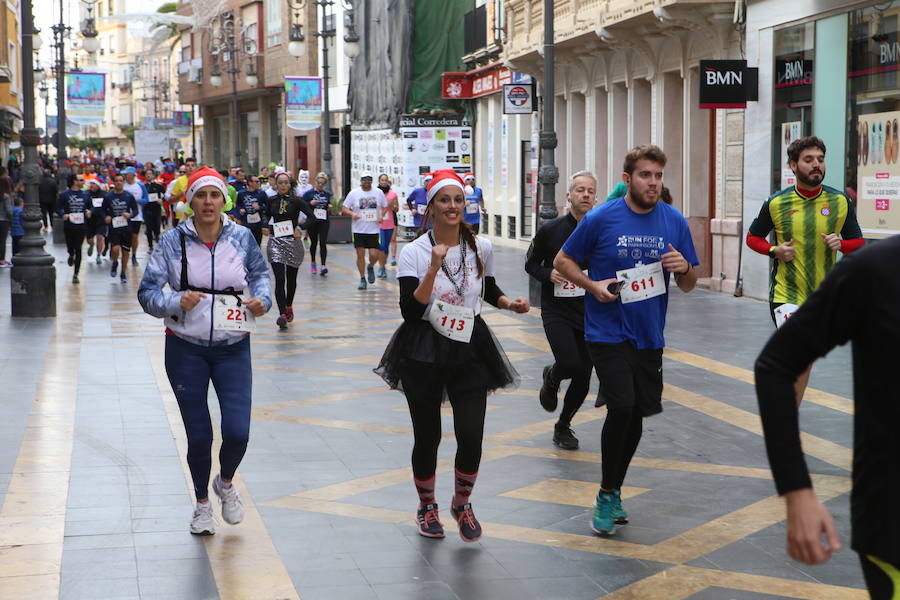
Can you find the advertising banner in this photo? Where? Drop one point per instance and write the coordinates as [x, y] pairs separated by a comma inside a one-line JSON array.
[[86, 97], [150, 144], [878, 174], [303, 102], [71, 126], [181, 123], [790, 131]]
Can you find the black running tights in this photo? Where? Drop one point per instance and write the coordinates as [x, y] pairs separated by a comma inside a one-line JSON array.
[[318, 233], [74, 242], [424, 386], [572, 362], [618, 442], [285, 285]]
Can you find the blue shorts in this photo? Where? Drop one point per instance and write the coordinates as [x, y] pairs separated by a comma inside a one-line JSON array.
[[384, 243]]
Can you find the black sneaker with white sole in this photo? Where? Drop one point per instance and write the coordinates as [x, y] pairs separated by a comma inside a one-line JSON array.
[[469, 527]]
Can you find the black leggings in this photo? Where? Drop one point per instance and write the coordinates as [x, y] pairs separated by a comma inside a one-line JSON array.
[[320, 229], [572, 361], [47, 214], [4, 231], [878, 579], [74, 242], [257, 234], [153, 220], [424, 385], [285, 285], [618, 442]]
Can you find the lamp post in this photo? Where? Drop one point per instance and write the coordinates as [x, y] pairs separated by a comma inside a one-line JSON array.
[[33, 277], [230, 42], [297, 48], [44, 92]]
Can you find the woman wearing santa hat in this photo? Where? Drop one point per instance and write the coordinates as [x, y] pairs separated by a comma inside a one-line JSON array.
[[444, 349], [218, 284]]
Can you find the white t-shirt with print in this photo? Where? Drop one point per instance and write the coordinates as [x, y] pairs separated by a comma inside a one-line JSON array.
[[415, 258], [358, 201], [135, 190]]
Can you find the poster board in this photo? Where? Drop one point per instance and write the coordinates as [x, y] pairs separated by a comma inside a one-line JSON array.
[[150, 144], [790, 131], [878, 174]]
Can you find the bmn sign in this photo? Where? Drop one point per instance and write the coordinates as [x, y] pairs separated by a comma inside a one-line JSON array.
[[727, 83]]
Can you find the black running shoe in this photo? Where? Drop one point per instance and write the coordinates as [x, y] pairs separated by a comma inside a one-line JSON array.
[[75, 279], [429, 523], [90, 249], [564, 438], [281, 321], [601, 399], [469, 527], [548, 394], [71, 260]]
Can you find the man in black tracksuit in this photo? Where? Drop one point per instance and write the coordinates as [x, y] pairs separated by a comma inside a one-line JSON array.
[[562, 311]]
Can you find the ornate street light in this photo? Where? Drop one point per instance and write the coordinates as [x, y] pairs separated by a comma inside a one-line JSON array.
[[90, 43]]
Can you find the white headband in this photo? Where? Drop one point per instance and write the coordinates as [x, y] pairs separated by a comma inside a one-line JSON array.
[[442, 184], [204, 181]]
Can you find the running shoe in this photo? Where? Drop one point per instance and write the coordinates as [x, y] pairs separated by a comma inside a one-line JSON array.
[[99, 259], [429, 523], [232, 507], [75, 279], [548, 393], [393, 261], [370, 273], [281, 321], [5, 263], [323, 271], [618, 513], [312, 268], [362, 284], [469, 527], [602, 522], [289, 314], [564, 438], [134, 260], [114, 269], [71, 260], [382, 274], [122, 278], [601, 399], [203, 522], [90, 249]]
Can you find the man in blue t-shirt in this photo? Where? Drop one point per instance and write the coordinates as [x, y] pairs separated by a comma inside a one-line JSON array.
[[250, 208], [631, 246], [417, 201], [474, 198], [119, 206]]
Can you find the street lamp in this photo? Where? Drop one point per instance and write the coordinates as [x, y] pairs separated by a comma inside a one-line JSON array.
[[297, 48], [90, 43], [231, 42]]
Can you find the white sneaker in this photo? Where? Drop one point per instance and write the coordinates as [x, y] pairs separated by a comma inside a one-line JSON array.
[[232, 507], [203, 522]]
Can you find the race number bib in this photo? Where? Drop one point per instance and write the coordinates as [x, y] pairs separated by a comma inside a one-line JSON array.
[[642, 282], [118, 222], [471, 208], [228, 316], [783, 313], [254, 218], [97, 202], [369, 215], [567, 289], [76, 218], [154, 197], [283, 229], [452, 322], [420, 208], [321, 214]]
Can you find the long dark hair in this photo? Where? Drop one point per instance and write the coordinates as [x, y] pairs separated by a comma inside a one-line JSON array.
[[465, 230]]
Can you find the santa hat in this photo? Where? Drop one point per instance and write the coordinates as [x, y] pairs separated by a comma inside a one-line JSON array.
[[468, 176], [203, 177], [442, 179]]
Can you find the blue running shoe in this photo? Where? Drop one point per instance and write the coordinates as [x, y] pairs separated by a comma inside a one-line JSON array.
[[362, 284], [370, 273], [618, 513], [602, 523]]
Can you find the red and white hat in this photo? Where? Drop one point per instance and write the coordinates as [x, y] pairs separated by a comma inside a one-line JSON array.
[[203, 177], [468, 176], [442, 179]]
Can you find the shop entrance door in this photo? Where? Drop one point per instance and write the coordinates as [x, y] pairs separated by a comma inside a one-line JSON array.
[[301, 154]]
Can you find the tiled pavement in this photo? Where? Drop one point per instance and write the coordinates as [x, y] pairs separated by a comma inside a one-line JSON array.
[[95, 499]]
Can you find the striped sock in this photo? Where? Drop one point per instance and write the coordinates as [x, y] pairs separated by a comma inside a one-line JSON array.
[[425, 488], [463, 488]]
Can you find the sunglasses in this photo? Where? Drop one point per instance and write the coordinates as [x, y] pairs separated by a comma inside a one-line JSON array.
[[365, 179], [263, 179]]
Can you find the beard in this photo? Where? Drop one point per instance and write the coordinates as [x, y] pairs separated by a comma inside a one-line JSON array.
[[812, 179], [640, 200]]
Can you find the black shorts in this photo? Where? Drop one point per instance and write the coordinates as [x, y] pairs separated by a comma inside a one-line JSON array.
[[631, 378], [365, 240], [95, 229], [120, 237], [135, 226]]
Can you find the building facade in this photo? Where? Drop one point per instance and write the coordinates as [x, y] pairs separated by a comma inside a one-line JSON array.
[[826, 68], [10, 77]]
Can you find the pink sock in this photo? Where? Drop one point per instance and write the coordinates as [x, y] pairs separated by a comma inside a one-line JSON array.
[[463, 487], [425, 488]]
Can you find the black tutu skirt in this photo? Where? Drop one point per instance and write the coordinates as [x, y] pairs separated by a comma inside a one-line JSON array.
[[481, 364]]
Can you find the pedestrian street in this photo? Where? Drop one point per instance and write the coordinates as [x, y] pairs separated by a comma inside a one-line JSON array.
[[96, 497]]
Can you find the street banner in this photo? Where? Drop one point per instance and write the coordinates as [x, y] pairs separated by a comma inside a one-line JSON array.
[[149, 123], [303, 102], [878, 174], [181, 123], [164, 124], [150, 144], [85, 97], [53, 125]]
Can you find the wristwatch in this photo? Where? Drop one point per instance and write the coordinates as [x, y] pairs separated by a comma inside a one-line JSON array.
[[772, 252]]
